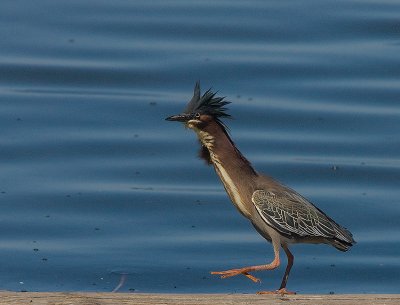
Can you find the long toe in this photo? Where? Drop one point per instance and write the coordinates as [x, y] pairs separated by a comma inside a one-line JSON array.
[[281, 291], [251, 277], [234, 272], [229, 273]]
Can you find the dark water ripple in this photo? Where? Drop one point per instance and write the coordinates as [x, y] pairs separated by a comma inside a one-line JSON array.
[[95, 185]]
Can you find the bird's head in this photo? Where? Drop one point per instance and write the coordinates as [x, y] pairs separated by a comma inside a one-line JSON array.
[[202, 110]]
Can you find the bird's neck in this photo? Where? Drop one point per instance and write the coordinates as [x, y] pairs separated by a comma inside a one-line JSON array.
[[223, 151], [234, 170]]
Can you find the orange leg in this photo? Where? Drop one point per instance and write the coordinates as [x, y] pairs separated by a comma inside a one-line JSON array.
[[273, 265], [282, 289], [245, 270]]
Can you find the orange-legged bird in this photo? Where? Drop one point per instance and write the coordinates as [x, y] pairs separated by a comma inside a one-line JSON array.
[[278, 213]]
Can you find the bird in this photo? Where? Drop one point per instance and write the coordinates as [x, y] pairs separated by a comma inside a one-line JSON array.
[[278, 213]]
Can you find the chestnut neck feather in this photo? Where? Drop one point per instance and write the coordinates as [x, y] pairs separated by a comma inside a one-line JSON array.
[[222, 147], [236, 173], [224, 150]]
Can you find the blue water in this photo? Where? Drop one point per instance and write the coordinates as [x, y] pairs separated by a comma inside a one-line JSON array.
[[96, 187]]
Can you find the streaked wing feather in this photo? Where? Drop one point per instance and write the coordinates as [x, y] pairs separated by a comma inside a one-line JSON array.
[[291, 214]]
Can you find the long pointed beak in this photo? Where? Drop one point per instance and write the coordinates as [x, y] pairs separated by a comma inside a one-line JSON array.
[[178, 118]]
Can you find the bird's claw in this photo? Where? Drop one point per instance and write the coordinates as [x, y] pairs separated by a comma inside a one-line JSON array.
[[281, 291], [234, 272]]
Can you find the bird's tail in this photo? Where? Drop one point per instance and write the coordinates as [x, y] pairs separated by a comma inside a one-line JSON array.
[[343, 239], [340, 244]]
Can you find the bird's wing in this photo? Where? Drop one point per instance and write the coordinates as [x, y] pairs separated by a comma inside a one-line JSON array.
[[291, 214]]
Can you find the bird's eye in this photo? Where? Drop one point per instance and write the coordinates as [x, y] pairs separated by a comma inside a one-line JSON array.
[[197, 115]]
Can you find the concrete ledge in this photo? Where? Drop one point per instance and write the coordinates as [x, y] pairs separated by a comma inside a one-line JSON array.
[[64, 298]]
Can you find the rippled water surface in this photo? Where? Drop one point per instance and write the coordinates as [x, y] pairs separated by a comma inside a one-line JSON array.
[[96, 187]]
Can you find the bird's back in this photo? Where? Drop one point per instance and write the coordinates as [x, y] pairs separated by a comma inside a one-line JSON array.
[[295, 217]]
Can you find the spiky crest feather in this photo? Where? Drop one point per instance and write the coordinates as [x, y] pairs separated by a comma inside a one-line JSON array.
[[208, 103]]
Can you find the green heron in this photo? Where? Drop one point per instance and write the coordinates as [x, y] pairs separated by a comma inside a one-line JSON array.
[[278, 213]]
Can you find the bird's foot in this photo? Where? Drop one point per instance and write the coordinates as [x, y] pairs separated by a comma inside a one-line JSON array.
[[281, 291], [234, 272]]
